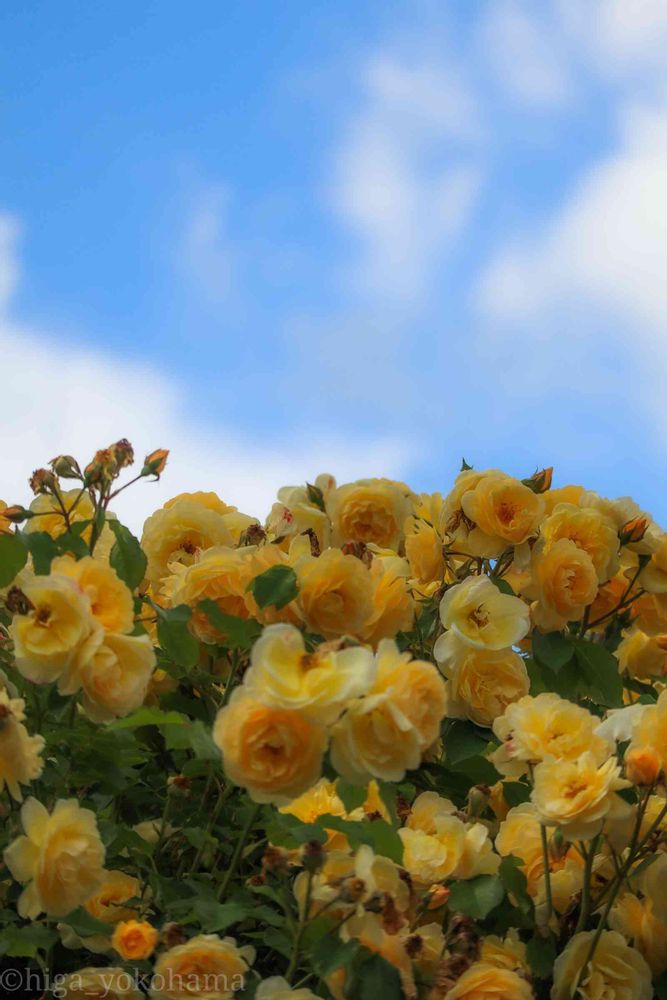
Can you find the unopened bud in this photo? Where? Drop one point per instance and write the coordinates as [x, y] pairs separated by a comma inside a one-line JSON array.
[[173, 934], [479, 798], [438, 896], [16, 514], [178, 784], [643, 765], [633, 531], [42, 481], [102, 469], [155, 462], [540, 481], [275, 860], [312, 856], [66, 467]]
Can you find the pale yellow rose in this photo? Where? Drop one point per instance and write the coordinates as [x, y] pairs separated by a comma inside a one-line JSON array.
[[578, 795], [653, 577], [371, 511], [591, 530], [275, 753], [219, 574], [654, 879], [99, 984], [277, 988], [650, 729], [178, 532], [616, 972], [374, 739], [504, 511], [650, 612], [427, 809], [414, 686], [107, 904], [635, 920], [641, 655], [483, 981], [480, 615], [393, 607], [111, 602], [335, 593], [369, 931], [505, 953], [49, 515], [115, 678], [207, 967], [434, 857], [454, 524], [296, 512], [424, 541], [59, 858], [546, 725], [236, 522], [481, 683], [565, 582], [320, 800], [282, 673], [20, 753], [49, 638]]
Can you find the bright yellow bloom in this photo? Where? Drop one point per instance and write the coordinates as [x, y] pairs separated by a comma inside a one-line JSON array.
[[414, 686], [578, 795], [60, 858], [616, 972], [635, 920], [504, 511], [20, 761], [374, 738], [134, 940], [483, 981], [643, 656], [99, 984], [178, 532], [653, 578], [106, 903], [320, 800], [115, 678], [590, 530], [650, 729], [283, 674], [49, 515], [206, 967], [111, 603], [481, 683], [505, 953], [335, 593], [219, 574], [393, 609], [480, 615], [423, 541], [371, 511], [565, 582], [275, 753]]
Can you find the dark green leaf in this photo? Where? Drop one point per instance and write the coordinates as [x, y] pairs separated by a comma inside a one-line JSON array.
[[315, 495], [43, 550], [463, 740], [600, 672], [476, 897], [175, 638], [127, 557], [150, 717], [541, 954], [83, 924], [552, 649], [239, 633], [515, 792], [13, 557], [374, 977], [333, 953], [275, 586], [515, 882], [352, 796]]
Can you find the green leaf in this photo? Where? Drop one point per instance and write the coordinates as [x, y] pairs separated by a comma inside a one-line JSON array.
[[315, 495], [194, 736], [541, 954], [239, 633], [552, 649], [13, 557], [333, 953], [150, 717], [175, 638], [463, 740], [381, 836], [83, 924], [275, 586], [464, 466], [27, 941], [515, 792], [515, 882], [127, 557], [374, 977], [599, 668], [43, 550], [476, 897], [504, 586], [352, 796]]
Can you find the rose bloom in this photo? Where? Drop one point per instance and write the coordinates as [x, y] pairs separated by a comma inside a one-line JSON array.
[[650, 729], [50, 517], [320, 800], [578, 795], [565, 582], [115, 678], [653, 578], [483, 981], [635, 920], [650, 612], [296, 512], [590, 530], [481, 683], [335, 593], [99, 984], [393, 608], [20, 760], [374, 739], [427, 809], [277, 988], [368, 930], [505, 953], [371, 511], [643, 656], [454, 850], [219, 574], [236, 522], [60, 857], [415, 686], [616, 972], [6, 526], [48, 637], [274, 753], [505, 512], [257, 559], [134, 940], [206, 966], [111, 602], [283, 674], [545, 725], [423, 541], [107, 905], [178, 532], [480, 615]]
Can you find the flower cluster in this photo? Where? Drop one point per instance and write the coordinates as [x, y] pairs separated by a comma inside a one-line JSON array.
[[379, 744]]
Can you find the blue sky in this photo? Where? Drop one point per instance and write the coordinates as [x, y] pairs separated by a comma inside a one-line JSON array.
[[366, 238]]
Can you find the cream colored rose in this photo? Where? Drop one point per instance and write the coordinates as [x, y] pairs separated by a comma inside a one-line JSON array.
[[115, 678], [480, 615], [635, 919], [481, 683], [371, 511], [643, 656], [374, 739], [277, 988], [206, 967], [99, 984], [20, 753], [617, 971], [483, 981], [414, 686], [578, 795], [60, 858], [318, 683], [296, 511], [175, 534]]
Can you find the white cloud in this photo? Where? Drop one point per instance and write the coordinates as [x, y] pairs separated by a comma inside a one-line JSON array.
[[57, 398], [206, 249], [405, 180]]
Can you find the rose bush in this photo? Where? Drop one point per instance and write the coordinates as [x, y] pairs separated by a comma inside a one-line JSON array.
[[381, 744]]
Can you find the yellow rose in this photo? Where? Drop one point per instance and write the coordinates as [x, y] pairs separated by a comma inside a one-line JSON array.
[[59, 858], [654, 880], [650, 729], [423, 541], [99, 984], [106, 903], [481, 683], [283, 674], [641, 655], [320, 800], [257, 560], [651, 613], [589, 529], [219, 574], [374, 739], [296, 512], [235, 521], [371, 511], [455, 525], [578, 795], [415, 686], [616, 972], [483, 981], [49, 514], [20, 760], [427, 809], [275, 753], [277, 988], [653, 577], [48, 638], [565, 582], [634, 919], [206, 966], [534, 728], [433, 858], [368, 930], [393, 609], [562, 494], [335, 593], [177, 533], [111, 602], [504, 511], [115, 678], [134, 940], [505, 953], [6, 526], [480, 615]]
